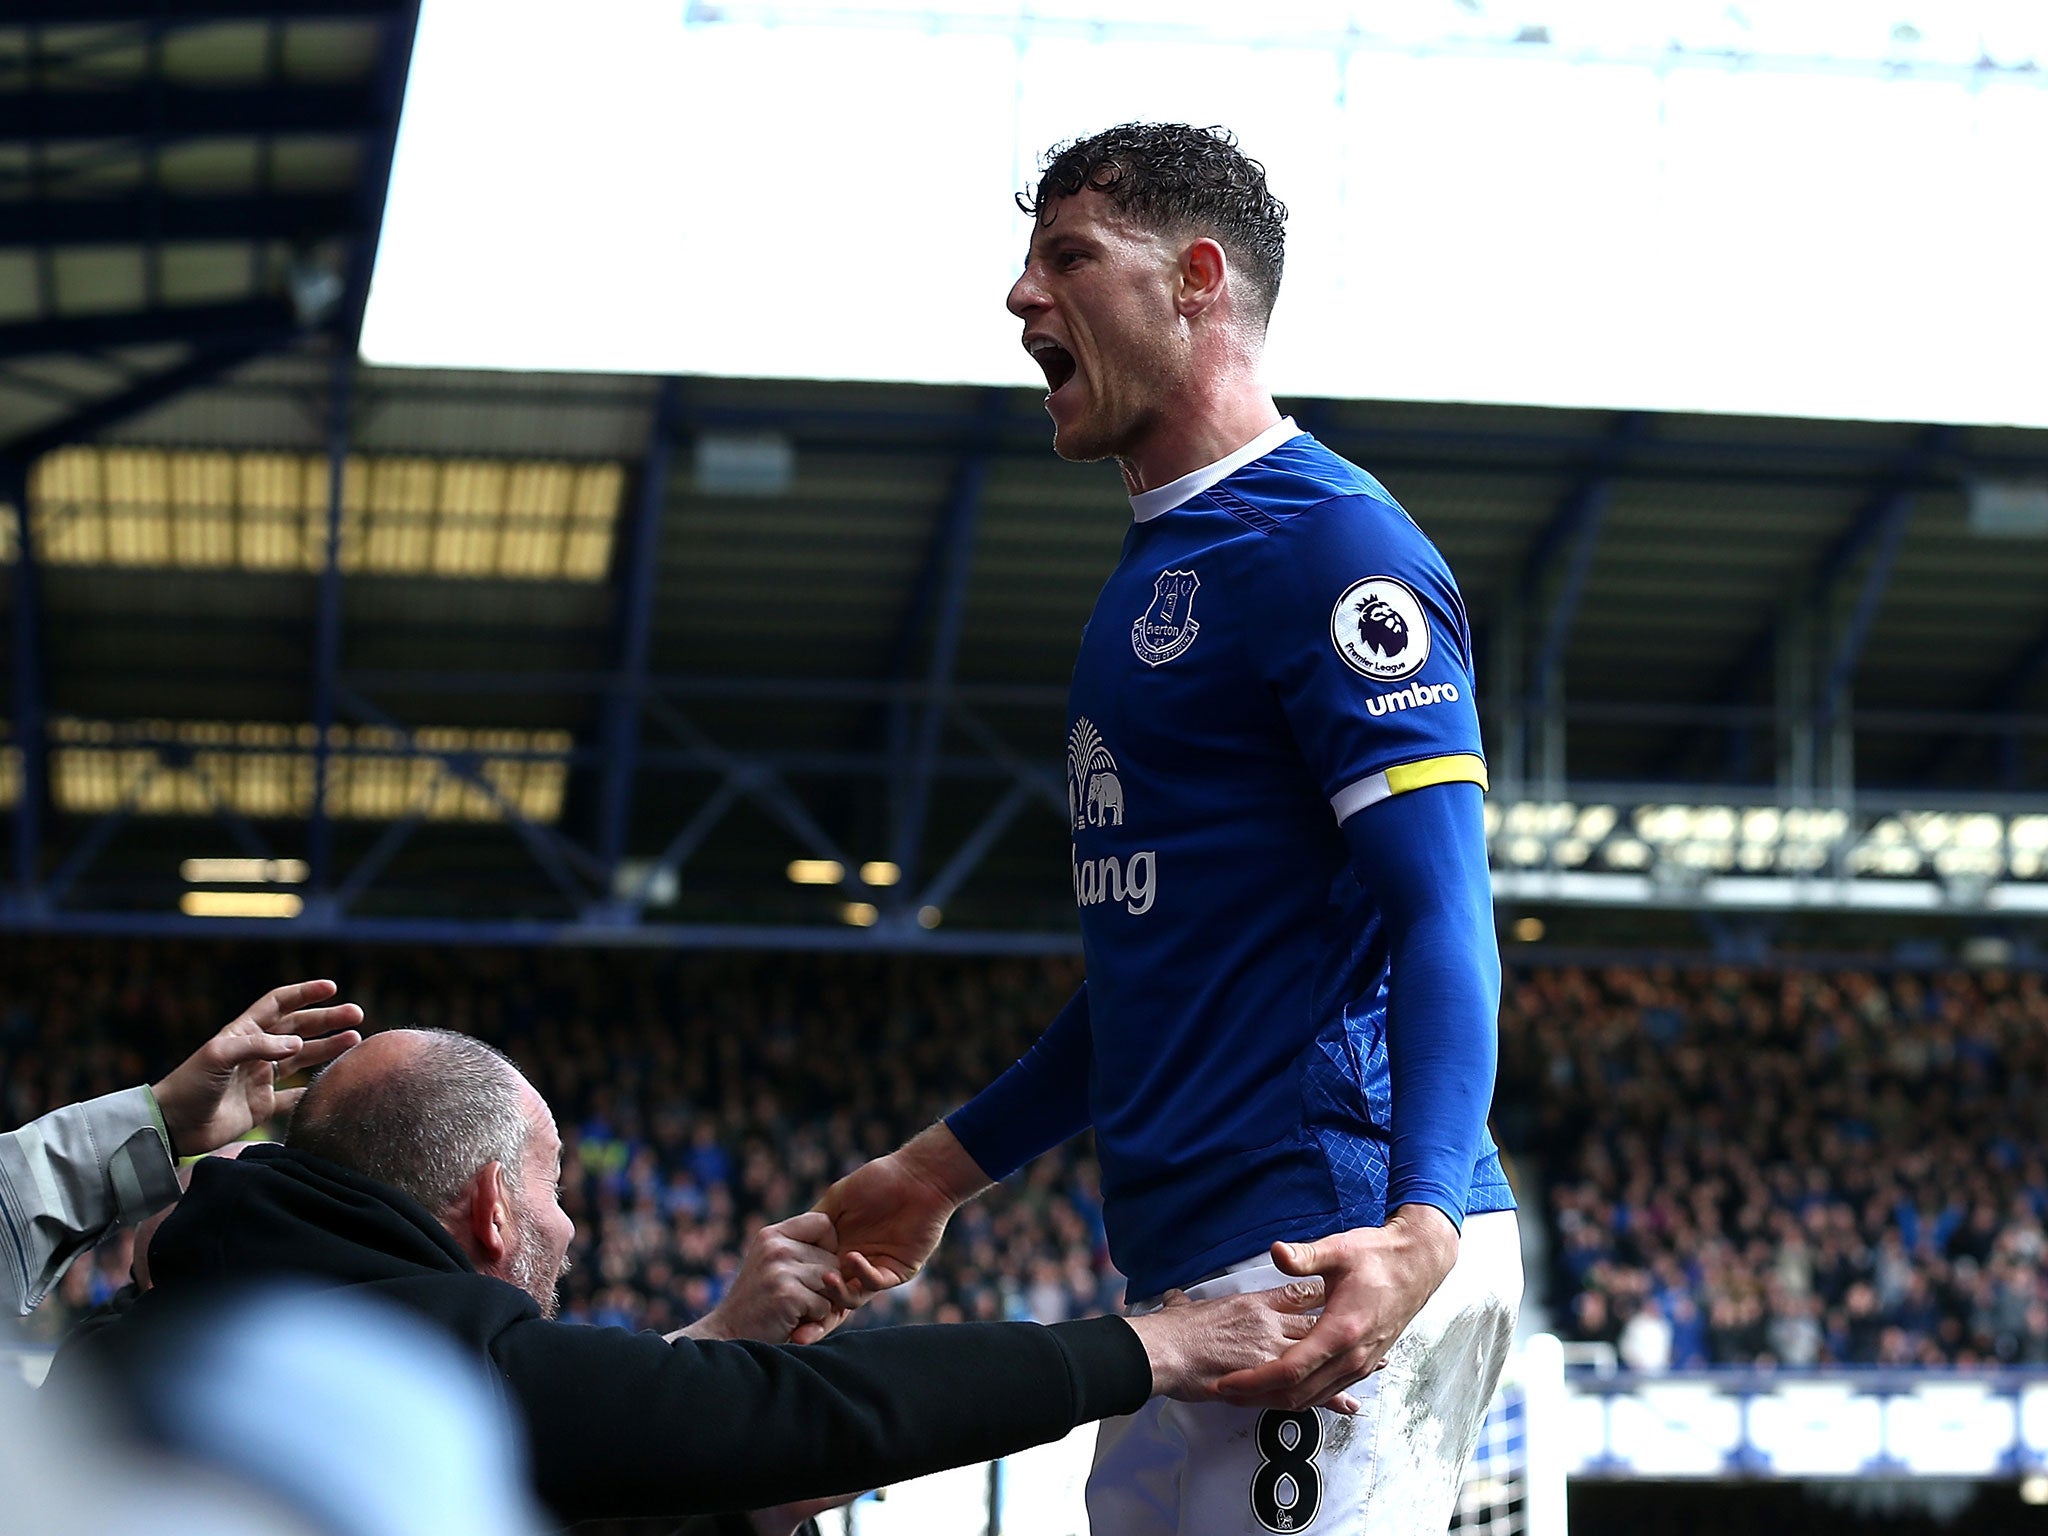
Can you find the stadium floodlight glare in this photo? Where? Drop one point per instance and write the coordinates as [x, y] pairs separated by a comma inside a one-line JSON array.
[[1765, 856], [879, 873], [1612, 220], [816, 871], [244, 871], [240, 904]]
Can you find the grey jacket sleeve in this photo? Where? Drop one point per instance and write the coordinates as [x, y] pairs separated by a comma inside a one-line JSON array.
[[68, 1177]]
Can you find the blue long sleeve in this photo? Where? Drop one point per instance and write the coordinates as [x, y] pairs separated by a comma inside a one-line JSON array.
[[1038, 1103], [1423, 857]]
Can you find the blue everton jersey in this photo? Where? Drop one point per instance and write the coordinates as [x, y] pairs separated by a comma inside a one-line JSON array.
[[1270, 657]]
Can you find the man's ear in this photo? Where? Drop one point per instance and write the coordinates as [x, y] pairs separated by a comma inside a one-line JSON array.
[[1204, 274], [489, 1224]]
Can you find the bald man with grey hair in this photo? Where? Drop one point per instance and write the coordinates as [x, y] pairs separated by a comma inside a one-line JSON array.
[[451, 1108], [425, 1169]]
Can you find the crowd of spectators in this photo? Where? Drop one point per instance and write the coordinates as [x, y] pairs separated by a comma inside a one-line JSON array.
[[699, 1097], [1788, 1168], [1738, 1166]]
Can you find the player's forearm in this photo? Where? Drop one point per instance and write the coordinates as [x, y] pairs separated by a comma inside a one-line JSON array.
[[1425, 855], [937, 1158], [1038, 1103]]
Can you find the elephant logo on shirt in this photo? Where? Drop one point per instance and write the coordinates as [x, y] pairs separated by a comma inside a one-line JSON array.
[[1095, 795], [1105, 800]]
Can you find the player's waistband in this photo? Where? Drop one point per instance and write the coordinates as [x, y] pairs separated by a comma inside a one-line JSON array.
[[1487, 1238]]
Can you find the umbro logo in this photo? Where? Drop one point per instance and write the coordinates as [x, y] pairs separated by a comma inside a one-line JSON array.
[[1414, 696]]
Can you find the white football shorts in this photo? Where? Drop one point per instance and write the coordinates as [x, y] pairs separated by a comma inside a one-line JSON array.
[[1393, 1469]]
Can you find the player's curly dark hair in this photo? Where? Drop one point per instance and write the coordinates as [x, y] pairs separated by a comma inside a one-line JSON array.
[[1173, 176]]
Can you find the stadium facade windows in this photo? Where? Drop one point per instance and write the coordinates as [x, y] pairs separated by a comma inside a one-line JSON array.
[[265, 769], [194, 509]]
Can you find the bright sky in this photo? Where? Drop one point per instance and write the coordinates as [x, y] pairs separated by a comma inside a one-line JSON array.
[[1787, 207]]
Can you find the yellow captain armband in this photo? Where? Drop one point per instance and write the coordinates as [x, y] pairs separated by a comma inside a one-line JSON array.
[[1452, 768]]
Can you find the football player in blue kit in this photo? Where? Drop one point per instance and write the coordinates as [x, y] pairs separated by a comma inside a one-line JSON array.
[[1286, 1041]]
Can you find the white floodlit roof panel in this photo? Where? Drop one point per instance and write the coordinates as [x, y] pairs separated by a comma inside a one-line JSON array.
[[1807, 216]]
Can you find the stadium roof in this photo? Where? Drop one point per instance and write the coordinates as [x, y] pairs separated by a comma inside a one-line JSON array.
[[623, 634], [182, 187]]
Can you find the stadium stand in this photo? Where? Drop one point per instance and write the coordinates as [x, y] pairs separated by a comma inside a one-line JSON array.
[[1739, 1167], [698, 1099], [1791, 1168]]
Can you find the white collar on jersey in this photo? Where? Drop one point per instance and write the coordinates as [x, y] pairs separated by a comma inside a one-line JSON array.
[[1147, 505]]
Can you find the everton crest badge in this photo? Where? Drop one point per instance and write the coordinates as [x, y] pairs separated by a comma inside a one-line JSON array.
[[1167, 627]]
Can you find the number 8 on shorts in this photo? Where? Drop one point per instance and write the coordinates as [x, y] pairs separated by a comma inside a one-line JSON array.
[[1287, 1490]]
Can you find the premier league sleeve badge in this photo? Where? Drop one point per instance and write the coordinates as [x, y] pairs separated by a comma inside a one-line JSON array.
[[1380, 629]]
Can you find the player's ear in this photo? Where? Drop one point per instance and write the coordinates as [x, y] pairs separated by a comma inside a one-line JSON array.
[[1202, 277]]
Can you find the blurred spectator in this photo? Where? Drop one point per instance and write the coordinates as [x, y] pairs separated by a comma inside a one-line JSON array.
[[80, 1169], [1745, 1148], [1792, 1168], [700, 1098], [1646, 1338], [423, 1169]]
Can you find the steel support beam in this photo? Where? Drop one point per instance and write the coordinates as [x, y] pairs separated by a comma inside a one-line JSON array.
[[147, 217], [201, 368], [762, 783], [171, 111], [203, 323], [1533, 693], [32, 794], [387, 97], [363, 874], [2002, 699], [968, 856], [190, 13], [387, 91], [1879, 525], [557, 856], [639, 559], [1577, 527], [881, 939], [93, 844], [680, 847], [1890, 516], [963, 510], [327, 627]]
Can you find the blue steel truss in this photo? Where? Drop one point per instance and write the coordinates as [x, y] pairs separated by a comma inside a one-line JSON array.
[[924, 726]]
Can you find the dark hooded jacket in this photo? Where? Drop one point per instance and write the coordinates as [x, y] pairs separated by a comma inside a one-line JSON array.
[[621, 1423]]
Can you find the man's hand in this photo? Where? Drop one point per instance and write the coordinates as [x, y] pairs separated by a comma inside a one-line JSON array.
[[787, 1519], [1376, 1279], [891, 1213], [788, 1285], [1194, 1344], [228, 1086]]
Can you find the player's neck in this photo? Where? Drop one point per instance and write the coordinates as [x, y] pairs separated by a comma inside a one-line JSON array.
[[1192, 438]]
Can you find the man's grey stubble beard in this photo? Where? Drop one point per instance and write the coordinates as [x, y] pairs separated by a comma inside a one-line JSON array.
[[530, 1267]]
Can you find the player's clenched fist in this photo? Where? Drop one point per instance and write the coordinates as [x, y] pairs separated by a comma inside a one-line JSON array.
[[890, 1214]]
